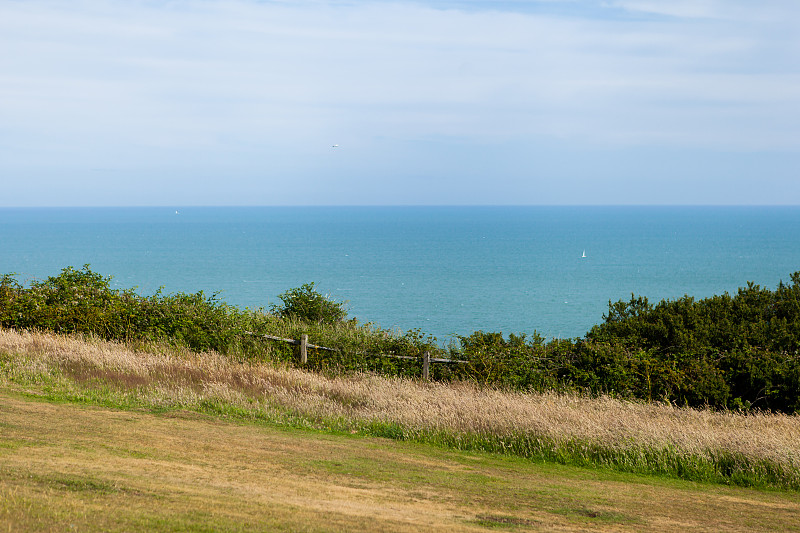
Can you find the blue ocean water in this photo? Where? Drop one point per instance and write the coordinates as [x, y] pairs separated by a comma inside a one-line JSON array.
[[444, 270]]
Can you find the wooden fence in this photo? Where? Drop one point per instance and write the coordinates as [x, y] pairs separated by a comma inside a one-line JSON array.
[[305, 345]]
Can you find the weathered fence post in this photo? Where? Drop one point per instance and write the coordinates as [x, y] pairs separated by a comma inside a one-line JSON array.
[[304, 348], [426, 365]]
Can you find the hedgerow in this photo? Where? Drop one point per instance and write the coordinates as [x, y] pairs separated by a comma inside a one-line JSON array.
[[734, 352]]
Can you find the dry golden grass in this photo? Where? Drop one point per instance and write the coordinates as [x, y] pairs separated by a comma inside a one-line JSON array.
[[162, 377], [66, 467]]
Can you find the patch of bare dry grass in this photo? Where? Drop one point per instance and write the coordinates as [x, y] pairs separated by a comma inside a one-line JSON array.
[[161, 377], [91, 469]]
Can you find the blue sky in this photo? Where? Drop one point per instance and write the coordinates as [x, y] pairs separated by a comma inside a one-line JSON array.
[[239, 102]]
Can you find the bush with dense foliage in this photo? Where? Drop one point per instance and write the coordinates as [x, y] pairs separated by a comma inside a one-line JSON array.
[[82, 301], [305, 303], [727, 351], [739, 352], [754, 318]]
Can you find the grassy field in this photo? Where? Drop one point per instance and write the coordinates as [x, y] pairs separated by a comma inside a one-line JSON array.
[[755, 449], [97, 436], [67, 467]]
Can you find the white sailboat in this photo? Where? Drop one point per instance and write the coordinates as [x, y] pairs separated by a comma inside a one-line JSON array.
[[584, 255]]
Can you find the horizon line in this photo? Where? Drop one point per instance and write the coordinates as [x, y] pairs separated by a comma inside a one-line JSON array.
[[185, 206]]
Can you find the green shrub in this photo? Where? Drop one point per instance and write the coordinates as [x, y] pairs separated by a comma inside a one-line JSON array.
[[516, 362], [753, 318], [306, 304], [82, 301], [737, 352]]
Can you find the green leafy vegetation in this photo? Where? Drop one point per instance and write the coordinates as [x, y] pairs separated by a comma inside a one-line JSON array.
[[305, 303], [734, 352], [82, 301], [737, 351]]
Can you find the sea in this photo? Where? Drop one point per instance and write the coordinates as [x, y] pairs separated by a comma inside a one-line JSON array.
[[446, 271]]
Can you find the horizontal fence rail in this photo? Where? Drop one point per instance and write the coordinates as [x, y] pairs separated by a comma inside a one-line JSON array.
[[305, 345]]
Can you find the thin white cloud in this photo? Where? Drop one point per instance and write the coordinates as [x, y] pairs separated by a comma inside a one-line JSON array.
[[747, 10], [674, 8]]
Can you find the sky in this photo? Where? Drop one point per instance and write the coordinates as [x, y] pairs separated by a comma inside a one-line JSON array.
[[356, 102]]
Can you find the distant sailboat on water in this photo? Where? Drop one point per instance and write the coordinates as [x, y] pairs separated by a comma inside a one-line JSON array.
[[584, 255]]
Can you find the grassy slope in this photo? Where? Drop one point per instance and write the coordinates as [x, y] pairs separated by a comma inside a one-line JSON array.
[[761, 449], [67, 467], [226, 451]]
